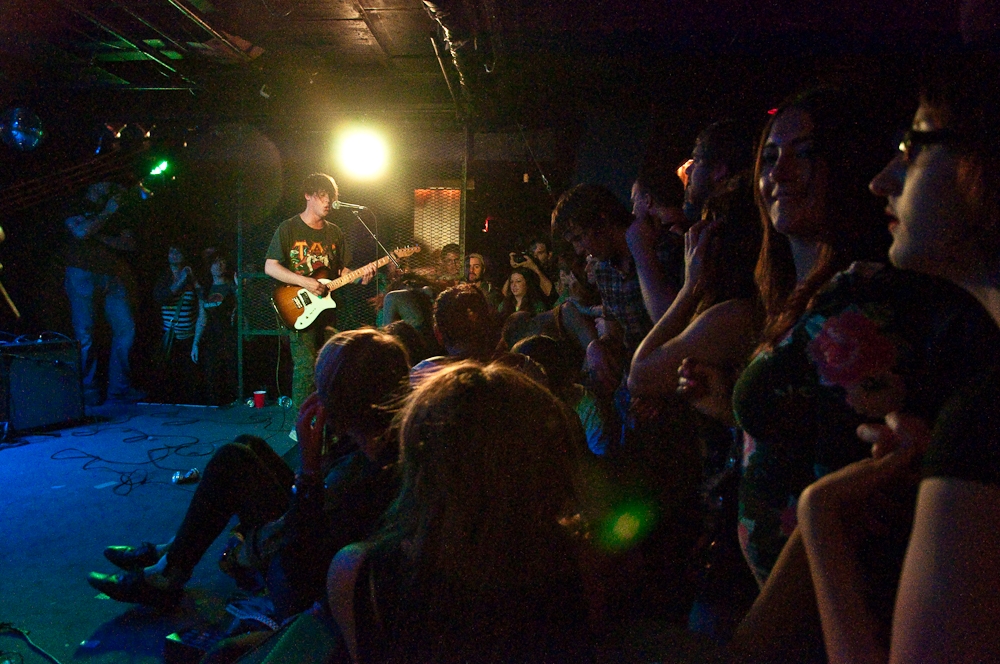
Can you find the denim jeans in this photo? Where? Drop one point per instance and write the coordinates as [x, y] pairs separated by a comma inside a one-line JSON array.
[[86, 290]]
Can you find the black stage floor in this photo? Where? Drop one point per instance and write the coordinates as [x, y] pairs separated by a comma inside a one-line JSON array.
[[66, 494]]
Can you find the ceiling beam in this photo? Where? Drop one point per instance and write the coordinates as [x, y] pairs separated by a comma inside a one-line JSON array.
[[137, 45], [197, 20]]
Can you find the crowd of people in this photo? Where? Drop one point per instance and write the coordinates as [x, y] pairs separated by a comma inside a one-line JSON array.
[[196, 358], [757, 410]]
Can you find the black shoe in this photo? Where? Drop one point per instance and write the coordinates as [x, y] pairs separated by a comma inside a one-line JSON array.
[[133, 558], [132, 587], [127, 396]]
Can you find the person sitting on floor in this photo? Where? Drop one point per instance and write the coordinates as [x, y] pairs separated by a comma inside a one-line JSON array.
[[475, 561], [464, 325], [287, 521]]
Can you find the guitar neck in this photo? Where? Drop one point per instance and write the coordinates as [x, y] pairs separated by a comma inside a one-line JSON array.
[[351, 276]]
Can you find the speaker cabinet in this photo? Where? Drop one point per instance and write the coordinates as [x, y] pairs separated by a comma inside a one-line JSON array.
[[40, 384]]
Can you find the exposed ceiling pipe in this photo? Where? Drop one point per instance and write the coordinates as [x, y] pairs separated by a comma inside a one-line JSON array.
[[212, 31], [178, 46], [117, 34], [447, 79], [458, 33]]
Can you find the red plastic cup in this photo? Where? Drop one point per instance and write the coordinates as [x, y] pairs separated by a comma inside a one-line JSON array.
[[258, 398]]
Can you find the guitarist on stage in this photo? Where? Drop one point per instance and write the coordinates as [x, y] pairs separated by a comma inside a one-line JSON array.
[[300, 246]]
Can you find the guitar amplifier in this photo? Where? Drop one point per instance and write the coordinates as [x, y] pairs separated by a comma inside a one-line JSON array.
[[40, 384]]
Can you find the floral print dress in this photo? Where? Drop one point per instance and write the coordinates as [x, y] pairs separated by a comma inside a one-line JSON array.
[[875, 340]]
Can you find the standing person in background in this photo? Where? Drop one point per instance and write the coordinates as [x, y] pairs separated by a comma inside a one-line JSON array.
[[301, 245], [721, 151], [176, 292], [214, 347], [97, 253], [635, 287]]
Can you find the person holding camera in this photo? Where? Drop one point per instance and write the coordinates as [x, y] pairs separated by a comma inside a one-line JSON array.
[[538, 259]]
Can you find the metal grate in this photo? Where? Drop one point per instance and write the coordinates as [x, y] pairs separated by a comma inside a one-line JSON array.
[[418, 201]]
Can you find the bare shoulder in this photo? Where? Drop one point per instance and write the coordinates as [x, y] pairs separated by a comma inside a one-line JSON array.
[[947, 600], [340, 583]]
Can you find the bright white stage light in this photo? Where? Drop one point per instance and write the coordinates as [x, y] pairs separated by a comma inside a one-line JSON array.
[[362, 154]]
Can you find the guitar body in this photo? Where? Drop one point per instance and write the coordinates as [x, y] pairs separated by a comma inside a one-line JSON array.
[[299, 308]]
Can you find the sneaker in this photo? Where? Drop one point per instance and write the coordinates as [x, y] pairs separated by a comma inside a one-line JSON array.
[[133, 588], [132, 558]]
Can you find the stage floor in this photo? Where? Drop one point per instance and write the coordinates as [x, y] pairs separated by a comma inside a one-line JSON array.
[[66, 494]]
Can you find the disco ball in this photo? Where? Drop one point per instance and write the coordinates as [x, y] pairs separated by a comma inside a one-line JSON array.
[[21, 129]]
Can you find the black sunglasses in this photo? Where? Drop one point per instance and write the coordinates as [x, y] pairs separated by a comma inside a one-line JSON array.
[[914, 138]]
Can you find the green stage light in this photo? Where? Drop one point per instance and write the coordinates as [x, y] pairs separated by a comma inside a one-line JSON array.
[[160, 168]]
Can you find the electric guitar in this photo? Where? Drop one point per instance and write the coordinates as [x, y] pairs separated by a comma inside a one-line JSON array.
[[298, 308]]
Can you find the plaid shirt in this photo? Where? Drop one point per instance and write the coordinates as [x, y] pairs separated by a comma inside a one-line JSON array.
[[622, 296]]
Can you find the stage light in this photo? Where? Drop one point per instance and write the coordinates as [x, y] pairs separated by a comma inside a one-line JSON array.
[[362, 154], [160, 168]]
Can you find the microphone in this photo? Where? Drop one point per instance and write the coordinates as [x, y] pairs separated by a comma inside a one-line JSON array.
[[336, 205]]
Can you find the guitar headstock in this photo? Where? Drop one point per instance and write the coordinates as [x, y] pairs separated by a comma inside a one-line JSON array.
[[406, 252]]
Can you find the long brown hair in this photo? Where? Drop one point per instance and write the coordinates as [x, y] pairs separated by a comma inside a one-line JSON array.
[[487, 476], [851, 229], [359, 373]]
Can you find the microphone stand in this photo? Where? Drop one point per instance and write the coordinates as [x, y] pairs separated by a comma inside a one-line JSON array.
[[357, 215]]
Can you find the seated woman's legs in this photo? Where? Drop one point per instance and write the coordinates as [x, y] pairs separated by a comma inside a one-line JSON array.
[[245, 478]]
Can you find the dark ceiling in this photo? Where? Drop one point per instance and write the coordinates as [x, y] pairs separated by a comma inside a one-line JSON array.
[[485, 57]]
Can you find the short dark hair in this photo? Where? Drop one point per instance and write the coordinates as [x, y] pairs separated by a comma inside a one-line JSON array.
[[544, 241], [727, 142], [588, 206], [320, 182], [462, 315], [659, 181], [451, 248]]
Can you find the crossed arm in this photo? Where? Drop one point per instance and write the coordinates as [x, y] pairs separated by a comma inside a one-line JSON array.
[[947, 598]]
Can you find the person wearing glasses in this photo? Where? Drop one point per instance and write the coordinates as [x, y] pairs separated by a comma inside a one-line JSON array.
[[943, 200], [840, 348]]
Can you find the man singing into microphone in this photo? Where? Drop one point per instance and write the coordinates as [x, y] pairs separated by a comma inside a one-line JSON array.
[[301, 245]]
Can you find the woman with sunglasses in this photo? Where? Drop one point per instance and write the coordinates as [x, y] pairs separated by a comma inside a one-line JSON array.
[[943, 193]]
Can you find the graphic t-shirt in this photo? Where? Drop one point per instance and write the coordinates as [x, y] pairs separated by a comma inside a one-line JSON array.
[[303, 249], [218, 302]]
